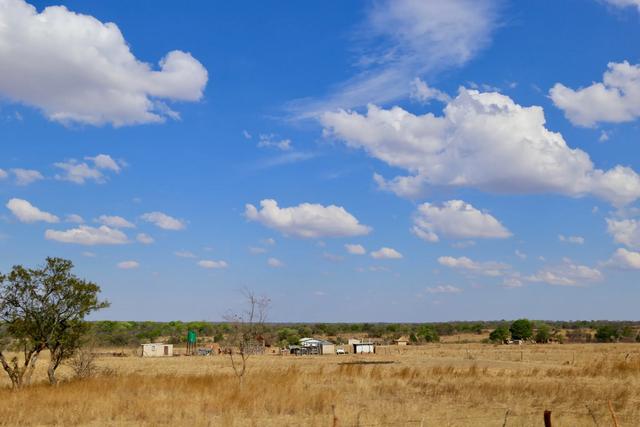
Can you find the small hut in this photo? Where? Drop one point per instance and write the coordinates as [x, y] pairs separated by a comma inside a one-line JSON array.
[[362, 348], [402, 341], [157, 350]]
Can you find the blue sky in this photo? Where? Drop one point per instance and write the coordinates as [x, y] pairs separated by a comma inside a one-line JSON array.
[[354, 161]]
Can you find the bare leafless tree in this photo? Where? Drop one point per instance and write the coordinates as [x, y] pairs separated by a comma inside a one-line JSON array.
[[246, 332], [83, 363]]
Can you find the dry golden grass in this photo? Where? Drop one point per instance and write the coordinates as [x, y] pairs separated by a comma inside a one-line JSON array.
[[434, 385]]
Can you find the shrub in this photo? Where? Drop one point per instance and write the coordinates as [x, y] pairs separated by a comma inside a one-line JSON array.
[[607, 333], [521, 329], [429, 334], [83, 363], [543, 333], [499, 335]]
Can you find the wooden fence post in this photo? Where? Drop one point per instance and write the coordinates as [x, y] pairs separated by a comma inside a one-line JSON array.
[[613, 415], [506, 415], [593, 416], [335, 418], [547, 418]]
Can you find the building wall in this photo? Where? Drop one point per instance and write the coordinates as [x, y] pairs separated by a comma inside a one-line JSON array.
[[364, 348], [157, 350], [328, 349]]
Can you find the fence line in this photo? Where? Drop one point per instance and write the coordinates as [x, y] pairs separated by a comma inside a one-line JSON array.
[[545, 417]]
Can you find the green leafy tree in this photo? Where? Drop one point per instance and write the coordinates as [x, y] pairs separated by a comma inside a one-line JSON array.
[[288, 336], [543, 333], [429, 334], [45, 308], [521, 329], [627, 332], [607, 333], [499, 335]]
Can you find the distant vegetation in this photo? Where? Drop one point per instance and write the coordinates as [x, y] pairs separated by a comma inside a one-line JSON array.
[[129, 333]]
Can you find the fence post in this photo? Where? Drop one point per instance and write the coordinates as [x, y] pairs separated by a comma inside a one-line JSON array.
[[547, 418], [613, 415], [506, 415], [335, 418], [593, 416]]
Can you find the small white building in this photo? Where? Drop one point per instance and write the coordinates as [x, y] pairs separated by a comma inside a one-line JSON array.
[[157, 350], [362, 348], [316, 346], [310, 342]]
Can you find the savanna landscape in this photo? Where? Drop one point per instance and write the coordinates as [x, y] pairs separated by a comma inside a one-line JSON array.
[[320, 213], [429, 385]]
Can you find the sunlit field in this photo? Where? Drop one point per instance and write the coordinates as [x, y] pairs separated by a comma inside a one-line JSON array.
[[430, 385]]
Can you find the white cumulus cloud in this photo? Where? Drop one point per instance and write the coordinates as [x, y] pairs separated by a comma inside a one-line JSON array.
[[271, 141], [443, 289], [623, 3], [26, 212], [211, 264], [114, 221], [104, 161], [307, 220], [163, 221], [128, 265], [625, 231], [624, 259], [26, 176], [520, 254], [76, 69], [456, 219], [275, 263], [355, 249], [576, 240], [145, 239], [386, 253], [93, 169], [89, 236], [74, 218], [488, 268], [462, 147], [422, 92], [184, 254], [614, 100], [566, 274]]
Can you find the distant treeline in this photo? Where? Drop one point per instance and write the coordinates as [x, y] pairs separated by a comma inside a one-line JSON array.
[[127, 333]]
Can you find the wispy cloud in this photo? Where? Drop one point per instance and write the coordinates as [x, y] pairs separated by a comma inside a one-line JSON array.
[[287, 158], [403, 39]]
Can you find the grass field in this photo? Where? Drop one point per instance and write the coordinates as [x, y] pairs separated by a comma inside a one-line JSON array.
[[431, 385]]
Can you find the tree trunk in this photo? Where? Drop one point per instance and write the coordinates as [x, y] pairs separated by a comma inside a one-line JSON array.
[[20, 375], [51, 373], [56, 358], [29, 367], [10, 371]]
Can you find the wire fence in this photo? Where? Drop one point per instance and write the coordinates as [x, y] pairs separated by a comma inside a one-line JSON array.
[[531, 418], [604, 415]]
